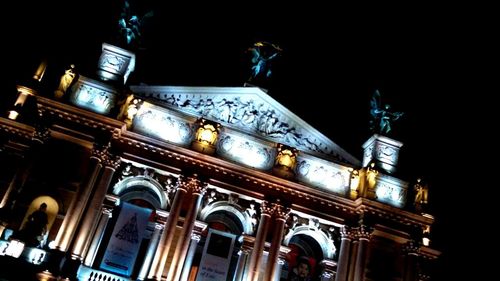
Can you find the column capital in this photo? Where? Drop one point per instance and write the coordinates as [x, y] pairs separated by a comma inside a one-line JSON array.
[[280, 211], [192, 183], [364, 232], [347, 233], [41, 134], [265, 209], [411, 248], [99, 151], [111, 161]]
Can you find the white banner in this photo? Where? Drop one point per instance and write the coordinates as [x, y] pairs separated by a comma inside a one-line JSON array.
[[126, 239], [217, 253]]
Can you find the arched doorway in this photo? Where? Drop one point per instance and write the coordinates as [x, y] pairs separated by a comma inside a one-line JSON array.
[[308, 247], [129, 232]]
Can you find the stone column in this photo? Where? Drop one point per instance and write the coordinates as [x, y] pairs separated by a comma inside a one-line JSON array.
[[40, 136], [352, 258], [106, 214], [345, 248], [258, 249], [327, 270], [363, 234], [195, 239], [79, 201], [160, 220], [161, 255], [412, 250], [87, 226], [197, 189], [280, 217], [244, 260]]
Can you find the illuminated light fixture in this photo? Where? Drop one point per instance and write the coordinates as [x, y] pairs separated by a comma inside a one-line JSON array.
[[285, 161], [425, 237], [13, 114], [15, 248], [23, 93], [206, 136]]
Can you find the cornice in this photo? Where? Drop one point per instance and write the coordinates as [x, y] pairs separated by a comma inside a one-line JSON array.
[[310, 198], [16, 128], [79, 116], [429, 253], [264, 182], [385, 211]]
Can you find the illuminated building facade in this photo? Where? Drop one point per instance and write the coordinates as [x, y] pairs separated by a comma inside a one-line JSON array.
[[200, 183]]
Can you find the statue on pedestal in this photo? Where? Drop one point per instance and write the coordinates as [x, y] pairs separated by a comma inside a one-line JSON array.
[[263, 53], [421, 195], [130, 26], [382, 116]]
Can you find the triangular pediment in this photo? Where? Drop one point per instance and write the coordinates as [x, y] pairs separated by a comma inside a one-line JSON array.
[[249, 110]]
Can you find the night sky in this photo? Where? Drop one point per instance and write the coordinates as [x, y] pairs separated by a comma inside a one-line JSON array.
[[333, 60]]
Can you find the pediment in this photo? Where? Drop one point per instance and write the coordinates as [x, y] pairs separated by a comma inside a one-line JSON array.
[[249, 110]]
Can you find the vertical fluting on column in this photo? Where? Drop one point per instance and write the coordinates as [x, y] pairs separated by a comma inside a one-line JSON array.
[[352, 258], [345, 248], [411, 250], [79, 201], [195, 239], [87, 226], [280, 217], [106, 213], [242, 259], [246, 248], [168, 233], [197, 189], [160, 220], [364, 234], [260, 240]]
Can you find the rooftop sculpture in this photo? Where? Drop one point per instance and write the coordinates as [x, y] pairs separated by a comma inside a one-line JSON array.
[[382, 117]]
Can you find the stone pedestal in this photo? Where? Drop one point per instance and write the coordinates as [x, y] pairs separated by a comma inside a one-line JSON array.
[[382, 151], [115, 63]]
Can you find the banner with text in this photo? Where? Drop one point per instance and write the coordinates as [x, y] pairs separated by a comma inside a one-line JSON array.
[[217, 253], [126, 239]]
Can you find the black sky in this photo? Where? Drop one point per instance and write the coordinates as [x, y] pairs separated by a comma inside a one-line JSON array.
[[333, 60]]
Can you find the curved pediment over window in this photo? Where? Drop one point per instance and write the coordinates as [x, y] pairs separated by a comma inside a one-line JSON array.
[[250, 110]]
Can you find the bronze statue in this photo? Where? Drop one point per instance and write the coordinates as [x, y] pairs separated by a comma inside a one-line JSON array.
[[382, 116], [130, 26], [262, 55]]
